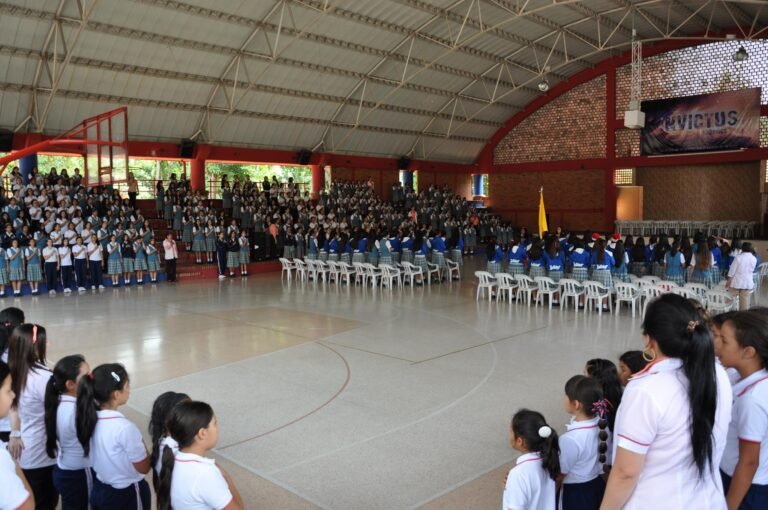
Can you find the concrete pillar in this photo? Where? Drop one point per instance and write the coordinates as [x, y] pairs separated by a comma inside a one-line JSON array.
[[197, 174]]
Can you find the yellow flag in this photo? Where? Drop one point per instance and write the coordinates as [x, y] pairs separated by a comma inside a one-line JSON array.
[[542, 214]]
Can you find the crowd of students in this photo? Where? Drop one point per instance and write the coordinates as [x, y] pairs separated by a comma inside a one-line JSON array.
[[68, 442], [681, 424]]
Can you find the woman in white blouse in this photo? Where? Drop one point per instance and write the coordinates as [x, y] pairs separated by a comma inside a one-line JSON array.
[[740, 280]]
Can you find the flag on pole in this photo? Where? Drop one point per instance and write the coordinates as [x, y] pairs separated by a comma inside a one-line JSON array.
[[542, 214]]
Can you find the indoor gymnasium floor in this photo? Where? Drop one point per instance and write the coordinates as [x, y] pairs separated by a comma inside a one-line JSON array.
[[342, 398]]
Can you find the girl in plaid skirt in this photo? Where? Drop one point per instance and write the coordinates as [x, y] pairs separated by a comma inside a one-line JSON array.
[[210, 241], [674, 265], [198, 242], [536, 256], [517, 257], [245, 249], [233, 253], [580, 261], [153, 261], [495, 256], [717, 257], [555, 260], [34, 272], [420, 256], [129, 259], [602, 262], [16, 264], [141, 260], [3, 271], [621, 260], [114, 263], [312, 250], [638, 257], [702, 264]]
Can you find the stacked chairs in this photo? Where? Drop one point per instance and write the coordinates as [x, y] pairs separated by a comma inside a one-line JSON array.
[[727, 229]]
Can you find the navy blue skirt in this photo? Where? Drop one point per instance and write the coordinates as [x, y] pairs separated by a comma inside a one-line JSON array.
[[133, 497], [74, 487], [583, 496], [756, 498]]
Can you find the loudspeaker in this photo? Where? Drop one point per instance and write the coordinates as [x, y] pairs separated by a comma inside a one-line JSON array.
[[404, 163], [303, 156], [187, 149], [6, 141]]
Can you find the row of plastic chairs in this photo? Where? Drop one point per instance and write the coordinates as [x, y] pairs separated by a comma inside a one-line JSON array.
[[723, 228], [637, 294]]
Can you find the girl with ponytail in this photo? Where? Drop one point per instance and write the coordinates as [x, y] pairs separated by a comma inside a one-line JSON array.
[[584, 445], [672, 424], [112, 443], [188, 478], [531, 483], [161, 440], [72, 472]]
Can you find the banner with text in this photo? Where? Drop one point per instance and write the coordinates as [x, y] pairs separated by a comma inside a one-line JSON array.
[[707, 122]]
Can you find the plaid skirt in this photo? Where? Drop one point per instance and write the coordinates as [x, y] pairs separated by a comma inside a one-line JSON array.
[[198, 245], [311, 256], [333, 257], [140, 264], [407, 255], [537, 271], [555, 275], [153, 265], [17, 273], [603, 276], [210, 244], [704, 278], [396, 257], [637, 268], [421, 261], [323, 256], [34, 273], [717, 275], [373, 258], [129, 265], [456, 256], [4, 276], [358, 256], [494, 267], [346, 258], [580, 274], [385, 259], [677, 278], [233, 259], [439, 259], [114, 266], [186, 235], [621, 276], [245, 256], [658, 270], [288, 252], [515, 268]]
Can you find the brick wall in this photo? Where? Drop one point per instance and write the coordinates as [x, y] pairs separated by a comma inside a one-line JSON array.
[[703, 192], [570, 127], [573, 199]]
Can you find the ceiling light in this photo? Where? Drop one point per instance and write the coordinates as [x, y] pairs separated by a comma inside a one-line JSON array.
[[544, 86], [741, 55]]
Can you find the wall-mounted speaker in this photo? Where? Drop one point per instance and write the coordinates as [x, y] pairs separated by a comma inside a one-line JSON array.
[[187, 149], [304, 156], [404, 163], [6, 141]]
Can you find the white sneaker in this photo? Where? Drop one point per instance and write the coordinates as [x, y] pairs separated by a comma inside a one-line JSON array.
[[101, 287], [222, 277], [50, 292], [67, 291], [93, 287], [81, 289]]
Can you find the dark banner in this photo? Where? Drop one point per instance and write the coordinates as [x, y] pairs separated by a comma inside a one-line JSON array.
[[708, 122]]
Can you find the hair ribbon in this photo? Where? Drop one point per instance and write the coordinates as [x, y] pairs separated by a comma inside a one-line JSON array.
[[692, 326], [601, 408]]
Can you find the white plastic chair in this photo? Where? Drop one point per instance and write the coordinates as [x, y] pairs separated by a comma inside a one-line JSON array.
[[506, 284], [700, 289], [410, 272], [686, 293], [526, 286], [301, 269], [485, 282], [433, 269], [372, 274], [321, 270], [390, 276], [454, 270], [719, 301], [651, 292], [627, 293], [333, 271], [288, 268], [345, 272], [360, 275], [547, 287], [311, 269], [596, 293], [651, 278], [570, 288]]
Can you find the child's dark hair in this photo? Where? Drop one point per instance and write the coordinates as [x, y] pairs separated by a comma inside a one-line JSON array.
[[5, 371], [588, 392], [184, 422], [634, 361], [751, 328], [606, 373], [67, 369], [538, 437], [675, 325], [26, 351], [94, 390], [9, 318], [161, 409], [720, 319]]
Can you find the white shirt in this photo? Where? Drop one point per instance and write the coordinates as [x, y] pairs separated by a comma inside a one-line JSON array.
[[80, 252], [116, 444], [71, 456], [197, 484], [14, 494], [32, 414], [170, 250], [742, 268], [52, 253], [65, 255], [529, 486], [749, 423], [653, 420], [97, 253], [579, 458]]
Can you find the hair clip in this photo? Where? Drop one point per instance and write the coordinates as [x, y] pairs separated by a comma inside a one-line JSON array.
[[600, 408], [545, 432], [692, 326], [115, 376]]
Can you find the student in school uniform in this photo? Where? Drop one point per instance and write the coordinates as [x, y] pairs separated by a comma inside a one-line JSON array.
[[384, 247], [244, 254], [153, 260], [161, 410], [580, 260], [538, 265], [112, 443], [114, 263], [210, 241], [170, 253], [221, 255], [4, 281], [674, 265], [51, 266], [233, 253], [189, 479], [630, 363], [80, 254], [495, 257], [66, 269], [602, 261], [95, 261], [584, 445], [620, 271], [740, 281], [530, 483], [34, 271], [517, 257], [198, 242], [702, 263], [72, 472], [16, 263], [717, 260], [16, 492], [140, 262], [673, 420], [744, 467], [29, 375], [128, 256]]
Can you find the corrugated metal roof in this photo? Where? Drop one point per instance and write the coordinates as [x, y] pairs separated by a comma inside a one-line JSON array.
[[377, 77]]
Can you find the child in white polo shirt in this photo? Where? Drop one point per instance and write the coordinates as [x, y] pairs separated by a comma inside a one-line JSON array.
[[16, 492], [745, 461], [189, 479], [112, 442]]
